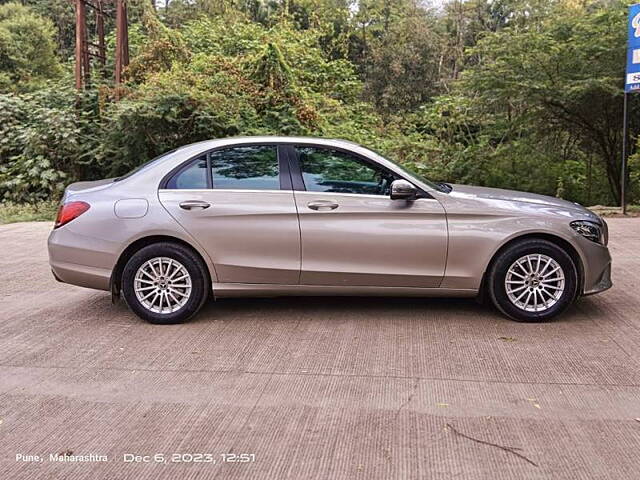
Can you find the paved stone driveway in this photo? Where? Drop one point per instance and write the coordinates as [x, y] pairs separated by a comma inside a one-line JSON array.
[[326, 388]]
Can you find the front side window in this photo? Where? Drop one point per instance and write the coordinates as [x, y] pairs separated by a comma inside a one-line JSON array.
[[192, 176], [246, 168], [328, 170]]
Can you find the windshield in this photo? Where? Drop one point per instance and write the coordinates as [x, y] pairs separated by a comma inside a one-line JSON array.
[[412, 173], [144, 165], [441, 187]]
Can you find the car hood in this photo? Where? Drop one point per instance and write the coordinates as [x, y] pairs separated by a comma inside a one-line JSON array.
[[519, 197]]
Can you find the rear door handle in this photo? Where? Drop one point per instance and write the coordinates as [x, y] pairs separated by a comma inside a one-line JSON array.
[[194, 204], [322, 205]]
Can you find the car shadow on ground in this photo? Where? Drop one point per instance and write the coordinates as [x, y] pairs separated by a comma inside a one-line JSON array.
[[346, 307], [343, 307]]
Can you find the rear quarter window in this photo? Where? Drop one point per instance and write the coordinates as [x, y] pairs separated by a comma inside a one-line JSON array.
[[191, 176]]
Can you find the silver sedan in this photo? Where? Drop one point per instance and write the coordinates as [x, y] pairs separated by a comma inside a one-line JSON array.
[[270, 216]]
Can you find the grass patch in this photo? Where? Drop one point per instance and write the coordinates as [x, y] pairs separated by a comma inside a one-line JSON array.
[[28, 212]]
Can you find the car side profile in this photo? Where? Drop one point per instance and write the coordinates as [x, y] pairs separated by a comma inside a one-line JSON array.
[[272, 216]]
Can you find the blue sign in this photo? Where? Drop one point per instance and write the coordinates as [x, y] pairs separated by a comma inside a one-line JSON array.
[[632, 78]]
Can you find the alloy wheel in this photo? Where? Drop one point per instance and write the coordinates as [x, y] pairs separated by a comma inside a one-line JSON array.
[[162, 285], [535, 282]]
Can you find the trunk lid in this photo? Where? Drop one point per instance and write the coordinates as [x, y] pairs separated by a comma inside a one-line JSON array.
[[86, 187]]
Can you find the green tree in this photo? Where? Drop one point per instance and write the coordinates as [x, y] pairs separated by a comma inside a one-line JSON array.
[[558, 72], [403, 68], [27, 48], [62, 14]]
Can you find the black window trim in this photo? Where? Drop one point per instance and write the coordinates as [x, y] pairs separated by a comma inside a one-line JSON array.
[[284, 173], [296, 170]]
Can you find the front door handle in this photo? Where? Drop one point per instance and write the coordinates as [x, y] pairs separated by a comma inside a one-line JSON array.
[[194, 204], [322, 205]]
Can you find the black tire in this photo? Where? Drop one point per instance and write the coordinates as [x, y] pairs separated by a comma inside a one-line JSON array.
[[498, 272], [200, 283]]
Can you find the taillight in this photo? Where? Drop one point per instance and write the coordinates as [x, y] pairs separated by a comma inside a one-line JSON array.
[[70, 211]]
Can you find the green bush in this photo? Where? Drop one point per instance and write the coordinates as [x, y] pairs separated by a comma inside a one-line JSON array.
[[44, 142]]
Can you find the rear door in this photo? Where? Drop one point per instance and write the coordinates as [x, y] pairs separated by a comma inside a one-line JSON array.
[[353, 233], [238, 204]]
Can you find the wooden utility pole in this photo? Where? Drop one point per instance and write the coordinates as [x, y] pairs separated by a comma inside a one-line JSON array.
[[102, 51], [122, 41], [82, 59]]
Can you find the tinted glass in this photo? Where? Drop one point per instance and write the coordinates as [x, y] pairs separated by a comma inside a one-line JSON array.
[[193, 175], [326, 170], [246, 168]]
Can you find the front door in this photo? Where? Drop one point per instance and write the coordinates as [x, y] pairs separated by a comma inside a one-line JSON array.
[[238, 204], [354, 234]]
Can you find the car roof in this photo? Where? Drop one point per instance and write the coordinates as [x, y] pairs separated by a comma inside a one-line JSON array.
[[275, 139]]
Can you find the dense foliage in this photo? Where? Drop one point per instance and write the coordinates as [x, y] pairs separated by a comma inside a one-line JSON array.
[[27, 49], [508, 93]]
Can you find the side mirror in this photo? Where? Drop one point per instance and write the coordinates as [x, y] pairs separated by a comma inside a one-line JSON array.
[[403, 190]]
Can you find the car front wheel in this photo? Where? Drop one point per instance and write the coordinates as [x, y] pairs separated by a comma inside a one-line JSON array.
[[533, 281], [165, 283]]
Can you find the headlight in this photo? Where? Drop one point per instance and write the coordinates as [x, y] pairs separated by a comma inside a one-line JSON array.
[[589, 230]]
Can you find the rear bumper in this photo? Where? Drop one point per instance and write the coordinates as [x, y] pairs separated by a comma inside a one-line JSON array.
[[72, 263], [81, 275]]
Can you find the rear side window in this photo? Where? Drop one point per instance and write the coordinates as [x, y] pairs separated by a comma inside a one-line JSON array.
[[191, 176], [246, 168]]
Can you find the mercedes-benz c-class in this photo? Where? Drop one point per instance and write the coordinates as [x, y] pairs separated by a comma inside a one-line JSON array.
[[272, 216]]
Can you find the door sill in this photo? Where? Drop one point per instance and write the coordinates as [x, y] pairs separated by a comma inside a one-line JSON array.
[[223, 290]]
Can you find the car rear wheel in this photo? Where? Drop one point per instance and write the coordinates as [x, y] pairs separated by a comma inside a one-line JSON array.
[[533, 281], [165, 283]]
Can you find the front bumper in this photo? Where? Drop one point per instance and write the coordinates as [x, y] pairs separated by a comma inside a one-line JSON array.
[[597, 267], [603, 283]]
